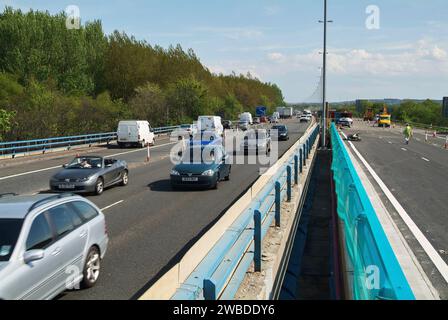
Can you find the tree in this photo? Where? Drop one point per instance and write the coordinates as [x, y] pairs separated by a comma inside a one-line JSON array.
[[6, 118], [149, 103]]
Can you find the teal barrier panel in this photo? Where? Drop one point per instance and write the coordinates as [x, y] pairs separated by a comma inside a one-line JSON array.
[[377, 273]]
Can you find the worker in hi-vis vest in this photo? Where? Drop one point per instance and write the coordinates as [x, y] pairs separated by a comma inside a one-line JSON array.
[[407, 133]]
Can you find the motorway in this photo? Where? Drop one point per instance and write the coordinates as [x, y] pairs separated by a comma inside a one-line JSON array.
[[417, 175], [149, 225]]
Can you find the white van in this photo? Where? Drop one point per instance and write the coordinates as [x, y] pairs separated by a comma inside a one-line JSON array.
[[247, 116], [135, 132], [210, 123]]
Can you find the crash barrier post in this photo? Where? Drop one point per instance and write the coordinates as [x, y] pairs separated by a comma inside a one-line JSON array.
[[220, 272], [377, 273]]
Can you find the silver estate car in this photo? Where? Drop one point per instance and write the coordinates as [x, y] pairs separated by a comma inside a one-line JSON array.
[[48, 244]]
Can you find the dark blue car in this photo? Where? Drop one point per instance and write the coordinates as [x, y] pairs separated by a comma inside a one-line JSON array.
[[201, 166]]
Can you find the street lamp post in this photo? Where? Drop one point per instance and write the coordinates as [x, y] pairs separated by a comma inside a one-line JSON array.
[[324, 80]]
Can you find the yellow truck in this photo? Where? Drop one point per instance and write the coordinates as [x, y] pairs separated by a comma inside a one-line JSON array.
[[385, 119]]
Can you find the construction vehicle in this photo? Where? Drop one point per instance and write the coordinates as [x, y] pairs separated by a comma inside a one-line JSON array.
[[368, 115], [385, 119]]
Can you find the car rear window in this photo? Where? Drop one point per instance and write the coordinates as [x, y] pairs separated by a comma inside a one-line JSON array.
[[9, 233], [86, 211], [62, 218]]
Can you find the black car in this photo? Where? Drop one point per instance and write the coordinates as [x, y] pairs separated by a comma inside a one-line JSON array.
[[227, 124], [282, 130]]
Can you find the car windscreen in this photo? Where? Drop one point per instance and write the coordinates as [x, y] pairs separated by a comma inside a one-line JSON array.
[[9, 233], [280, 128], [85, 163], [199, 155]]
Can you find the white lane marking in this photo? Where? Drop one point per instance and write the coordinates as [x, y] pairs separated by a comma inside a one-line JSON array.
[[55, 167], [389, 142], [404, 149], [29, 172], [424, 242], [139, 150], [427, 160], [112, 205]]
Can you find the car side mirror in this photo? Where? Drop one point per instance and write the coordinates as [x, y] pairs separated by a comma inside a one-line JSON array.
[[33, 255]]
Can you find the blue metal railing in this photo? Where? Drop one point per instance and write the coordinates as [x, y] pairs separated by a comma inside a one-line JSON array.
[[220, 274], [44, 145], [377, 273]]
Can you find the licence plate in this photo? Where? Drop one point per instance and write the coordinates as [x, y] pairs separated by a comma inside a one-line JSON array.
[[67, 186], [190, 179]]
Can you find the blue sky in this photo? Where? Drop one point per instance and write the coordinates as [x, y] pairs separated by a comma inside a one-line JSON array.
[[279, 41]]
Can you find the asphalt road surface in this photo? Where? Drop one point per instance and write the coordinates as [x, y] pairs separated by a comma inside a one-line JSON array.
[[417, 175], [149, 225]]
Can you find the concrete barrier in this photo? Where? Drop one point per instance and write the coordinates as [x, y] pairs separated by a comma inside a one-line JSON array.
[[167, 285]]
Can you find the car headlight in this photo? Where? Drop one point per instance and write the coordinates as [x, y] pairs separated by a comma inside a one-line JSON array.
[[175, 173], [83, 179], [208, 173]]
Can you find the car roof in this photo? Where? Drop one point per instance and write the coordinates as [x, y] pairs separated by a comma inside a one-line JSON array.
[[17, 207]]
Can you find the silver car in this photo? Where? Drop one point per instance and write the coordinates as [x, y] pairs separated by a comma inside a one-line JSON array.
[[90, 174], [48, 244]]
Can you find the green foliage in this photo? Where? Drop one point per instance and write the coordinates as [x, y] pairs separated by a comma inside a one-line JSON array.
[[5, 121], [61, 81], [426, 112]]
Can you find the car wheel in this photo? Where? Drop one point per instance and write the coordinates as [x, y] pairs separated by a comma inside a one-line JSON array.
[[125, 178], [99, 186], [228, 176], [217, 182], [92, 268]]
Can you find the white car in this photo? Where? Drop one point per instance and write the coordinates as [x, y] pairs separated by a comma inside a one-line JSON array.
[[185, 131], [304, 118]]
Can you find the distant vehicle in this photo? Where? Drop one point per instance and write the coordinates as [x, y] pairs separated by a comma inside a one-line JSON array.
[[257, 120], [210, 123], [285, 112], [385, 119], [368, 115], [246, 116], [201, 166], [90, 174], [243, 125], [282, 130], [43, 239], [304, 118], [276, 115], [227, 124], [185, 131], [257, 140], [345, 122], [137, 133]]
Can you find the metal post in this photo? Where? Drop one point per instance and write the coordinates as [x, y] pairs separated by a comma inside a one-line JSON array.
[[288, 183], [257, 241], [324, 81], [301, 160], [278, 190], [296, 170], [304, 155], [209, 290]]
